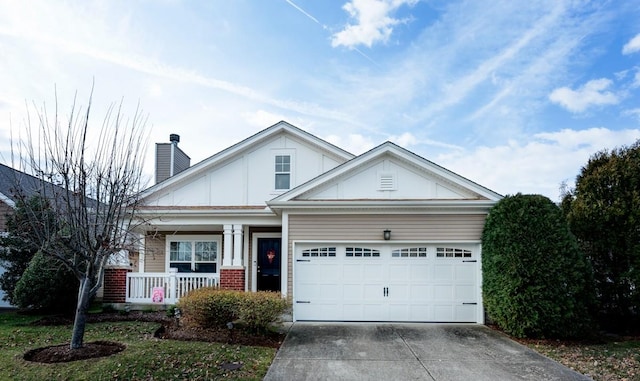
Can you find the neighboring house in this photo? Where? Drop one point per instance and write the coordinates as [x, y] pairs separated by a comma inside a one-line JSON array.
[[383, 236], [12, 181]]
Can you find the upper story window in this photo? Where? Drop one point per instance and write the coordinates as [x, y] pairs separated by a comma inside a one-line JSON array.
[[283, 172]]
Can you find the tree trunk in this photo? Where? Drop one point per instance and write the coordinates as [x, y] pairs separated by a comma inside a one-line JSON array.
[[80, 321]]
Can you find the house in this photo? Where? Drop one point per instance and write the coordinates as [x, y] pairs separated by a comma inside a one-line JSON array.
[[11, 182], [383, 236]]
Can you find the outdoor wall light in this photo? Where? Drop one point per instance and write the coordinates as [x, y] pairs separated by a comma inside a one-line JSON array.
[[387, 234]]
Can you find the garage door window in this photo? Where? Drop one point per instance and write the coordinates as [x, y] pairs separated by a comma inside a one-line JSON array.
[[361, 252], [410, 252], [319, 252], [452, 252]]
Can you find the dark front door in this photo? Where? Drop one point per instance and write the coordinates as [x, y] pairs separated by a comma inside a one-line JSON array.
[[269, 264]]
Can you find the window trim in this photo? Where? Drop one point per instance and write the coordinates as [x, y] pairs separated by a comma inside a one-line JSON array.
[[193, 238], [291, 173]]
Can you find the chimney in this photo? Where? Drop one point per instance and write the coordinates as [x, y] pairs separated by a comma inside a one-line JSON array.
[[170, 160]]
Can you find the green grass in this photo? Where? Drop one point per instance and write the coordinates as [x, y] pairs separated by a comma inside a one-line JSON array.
[[145, 358], [613, 360]]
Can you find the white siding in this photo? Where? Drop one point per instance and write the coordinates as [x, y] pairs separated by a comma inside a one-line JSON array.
[[249, 177], [409, 182]]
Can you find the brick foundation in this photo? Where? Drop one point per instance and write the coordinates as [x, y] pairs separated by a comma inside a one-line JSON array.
[[232, 279], [115, 285]]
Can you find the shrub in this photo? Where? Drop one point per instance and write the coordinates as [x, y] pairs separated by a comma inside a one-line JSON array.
[[47, 286], [210, 307], [259, 309], [536, 281], [18, 247]]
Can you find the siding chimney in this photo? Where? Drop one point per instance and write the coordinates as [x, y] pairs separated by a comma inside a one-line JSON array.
[[170, 160]]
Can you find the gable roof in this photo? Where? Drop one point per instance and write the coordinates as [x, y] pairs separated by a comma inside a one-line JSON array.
[[246, 144], [297, 197], [13, 181], [15, 185]]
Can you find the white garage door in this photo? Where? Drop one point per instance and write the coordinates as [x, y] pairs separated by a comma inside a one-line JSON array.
[[362, 282]]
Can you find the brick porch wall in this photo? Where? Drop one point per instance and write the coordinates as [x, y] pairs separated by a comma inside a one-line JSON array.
[[232, 279], [115, 285]]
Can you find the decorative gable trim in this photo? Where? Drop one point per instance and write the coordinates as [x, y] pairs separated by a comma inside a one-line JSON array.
[[7, 200], [246, 144], [396, 151]]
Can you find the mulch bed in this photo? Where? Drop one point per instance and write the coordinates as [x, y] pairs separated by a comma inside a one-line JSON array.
[[233, 336], [64, 353], [168, 330]]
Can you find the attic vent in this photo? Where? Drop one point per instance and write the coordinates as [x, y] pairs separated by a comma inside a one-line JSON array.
[[387, 181]]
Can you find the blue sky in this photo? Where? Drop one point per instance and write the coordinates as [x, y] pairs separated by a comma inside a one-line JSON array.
[[515, 96]]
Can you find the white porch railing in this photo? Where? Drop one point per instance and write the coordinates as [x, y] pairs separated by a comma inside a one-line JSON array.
[[174, 285]]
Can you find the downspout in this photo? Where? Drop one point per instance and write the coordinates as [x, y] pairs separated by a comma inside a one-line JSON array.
[[173, 158]]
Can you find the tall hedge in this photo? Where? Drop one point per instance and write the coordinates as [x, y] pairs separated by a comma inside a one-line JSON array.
[[604, 213], [536, 281]]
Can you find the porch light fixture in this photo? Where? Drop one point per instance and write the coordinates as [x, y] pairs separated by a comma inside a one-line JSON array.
[[387, 234]]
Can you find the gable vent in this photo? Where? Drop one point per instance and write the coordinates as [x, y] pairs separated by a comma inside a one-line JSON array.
[[387, 181]]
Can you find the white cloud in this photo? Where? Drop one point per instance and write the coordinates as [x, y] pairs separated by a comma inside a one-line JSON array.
[[408, 140], [373, 22], [263, 119], [635, 112], [354, 143], [632, 46], [592, 93], [404, 140], [538, 165]]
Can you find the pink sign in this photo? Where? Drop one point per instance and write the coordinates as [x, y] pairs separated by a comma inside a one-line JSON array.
[[158, 295]]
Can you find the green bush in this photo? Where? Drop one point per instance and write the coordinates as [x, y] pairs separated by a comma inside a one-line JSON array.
[[604, 213], [536, 281], [259, 309], [211, 307], [18, 247], [47, 286]]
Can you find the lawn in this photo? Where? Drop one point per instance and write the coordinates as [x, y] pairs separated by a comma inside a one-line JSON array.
[[613, 359], [145, 358]]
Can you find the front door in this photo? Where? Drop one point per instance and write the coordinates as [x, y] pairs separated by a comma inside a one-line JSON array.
[[269, 264]]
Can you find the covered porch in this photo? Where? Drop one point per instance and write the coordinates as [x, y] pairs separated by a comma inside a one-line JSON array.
[[162, 272], [165, 288]]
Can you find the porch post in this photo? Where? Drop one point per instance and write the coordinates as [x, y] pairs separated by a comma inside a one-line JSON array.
[[141, 254], [237, 245], [173, 272], [115, 284], [227, 246]]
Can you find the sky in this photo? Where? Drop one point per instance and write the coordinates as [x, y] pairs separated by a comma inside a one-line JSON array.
[[515, 95]]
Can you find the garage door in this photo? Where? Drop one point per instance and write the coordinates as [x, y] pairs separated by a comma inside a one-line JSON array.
[[361, 282]]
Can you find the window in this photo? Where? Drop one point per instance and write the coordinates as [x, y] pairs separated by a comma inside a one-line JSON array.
[[410, 252], [320, 252], [450, 252], [283, 171], [193, 255], [361, 252]]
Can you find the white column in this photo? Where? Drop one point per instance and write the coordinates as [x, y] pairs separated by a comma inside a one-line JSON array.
[[237, 245], [284, 255], [141, 245], [173, 295], [227, 246]]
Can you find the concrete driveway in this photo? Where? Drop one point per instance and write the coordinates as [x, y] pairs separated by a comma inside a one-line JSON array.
[[377, 351]]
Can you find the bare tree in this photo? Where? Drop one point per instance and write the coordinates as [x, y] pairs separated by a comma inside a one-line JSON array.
[[92, 177]]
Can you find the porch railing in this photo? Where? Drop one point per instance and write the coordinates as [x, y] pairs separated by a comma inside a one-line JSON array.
[[168, 287]]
